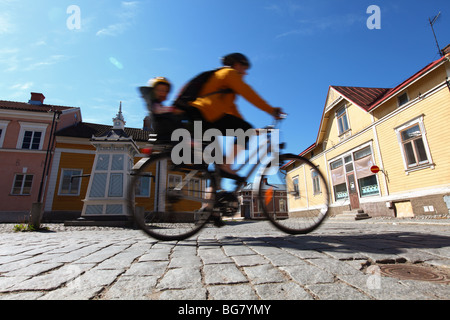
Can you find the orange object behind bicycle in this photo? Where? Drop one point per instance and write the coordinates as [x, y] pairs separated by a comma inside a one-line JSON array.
[[269, 195]]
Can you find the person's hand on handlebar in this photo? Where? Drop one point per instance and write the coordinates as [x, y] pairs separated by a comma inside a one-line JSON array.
[[278, 114]]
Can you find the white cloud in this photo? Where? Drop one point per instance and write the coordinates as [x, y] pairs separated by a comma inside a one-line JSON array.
[[310, 27], [8, 59], [47, 62], [126, 16], [6, 25], [22, 86]]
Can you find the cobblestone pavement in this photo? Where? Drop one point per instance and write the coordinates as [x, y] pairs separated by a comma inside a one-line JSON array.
[[242, 261]]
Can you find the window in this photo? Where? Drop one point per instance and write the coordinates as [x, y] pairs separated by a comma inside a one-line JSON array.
[[22, 184], [31, 140], [98, 185], [340, 191], [115, 185], [342, 120], [368, 186], [338, 180], [367, 180], [194, 188], [31, 136], [174, 180], [3, 126], [296, 188], [414, 146], [282, 204], [108, 180], [143, 186], [70, 182], [316, 181], [402, 99]]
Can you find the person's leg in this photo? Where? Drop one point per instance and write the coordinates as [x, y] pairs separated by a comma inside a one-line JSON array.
[[233, 123]]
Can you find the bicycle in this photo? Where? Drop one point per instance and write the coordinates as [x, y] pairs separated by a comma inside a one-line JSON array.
[[190, 195]]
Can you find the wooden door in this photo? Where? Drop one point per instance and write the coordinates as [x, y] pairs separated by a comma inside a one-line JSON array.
[[352, 191]]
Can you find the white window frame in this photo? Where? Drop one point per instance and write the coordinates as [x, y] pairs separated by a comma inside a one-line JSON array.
[[109, 173], [140, 195], [34, 127], [3, 127], [344, 107], [192, 191], [177, 179], [341, 158], [316, 182], [398, 130], [60, 193], [297, 178], [25, 175]]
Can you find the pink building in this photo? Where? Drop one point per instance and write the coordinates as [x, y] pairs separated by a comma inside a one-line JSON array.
[[26, 149]]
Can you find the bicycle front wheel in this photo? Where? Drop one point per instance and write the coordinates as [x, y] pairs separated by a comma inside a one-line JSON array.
[[170, 202], [294, 195]]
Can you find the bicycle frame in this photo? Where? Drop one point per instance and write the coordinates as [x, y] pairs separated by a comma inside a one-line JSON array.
[[271, 153]]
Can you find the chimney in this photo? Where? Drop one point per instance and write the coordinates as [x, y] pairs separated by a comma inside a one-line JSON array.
[[37, 99]]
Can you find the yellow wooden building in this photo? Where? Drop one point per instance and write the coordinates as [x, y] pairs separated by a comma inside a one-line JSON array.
[[401, 130], [91, 168]]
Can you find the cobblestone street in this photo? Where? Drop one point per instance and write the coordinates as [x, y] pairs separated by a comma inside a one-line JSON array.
[[242, 261]]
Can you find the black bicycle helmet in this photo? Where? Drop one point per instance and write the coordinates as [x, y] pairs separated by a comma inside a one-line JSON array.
[[230, 59]]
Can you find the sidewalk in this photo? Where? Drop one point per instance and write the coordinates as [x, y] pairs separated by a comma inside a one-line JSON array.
[[247, 260]]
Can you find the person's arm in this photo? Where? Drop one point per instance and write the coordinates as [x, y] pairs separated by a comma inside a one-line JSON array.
[[235, 82]]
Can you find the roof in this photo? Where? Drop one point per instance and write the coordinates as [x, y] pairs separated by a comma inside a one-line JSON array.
[[370, 98], [407, 82], [23, 106], [87, 130], [363, 97]]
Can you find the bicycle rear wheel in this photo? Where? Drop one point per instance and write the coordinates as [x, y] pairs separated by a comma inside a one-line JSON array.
[[168, 202], [294, 195]]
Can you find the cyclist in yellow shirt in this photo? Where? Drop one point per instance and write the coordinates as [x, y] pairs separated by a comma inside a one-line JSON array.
[[219, 110]]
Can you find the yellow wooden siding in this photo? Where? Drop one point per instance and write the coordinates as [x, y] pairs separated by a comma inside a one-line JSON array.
[[305, 185], [436, 116], [418, 88], [358, 120], [148, 202], [333, 95], [297, 203], [72, 161], [75, 146]]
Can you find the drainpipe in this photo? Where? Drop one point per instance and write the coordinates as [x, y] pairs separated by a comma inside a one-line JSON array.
[[36, 208]]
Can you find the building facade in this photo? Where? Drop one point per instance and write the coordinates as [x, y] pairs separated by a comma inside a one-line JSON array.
[[400, 130], [27, 132], [250, 207]]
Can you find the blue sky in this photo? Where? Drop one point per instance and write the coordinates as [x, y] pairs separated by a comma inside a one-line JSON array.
[[298, 49]]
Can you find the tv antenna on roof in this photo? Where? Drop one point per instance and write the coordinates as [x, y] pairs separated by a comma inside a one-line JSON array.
[[432, 22]]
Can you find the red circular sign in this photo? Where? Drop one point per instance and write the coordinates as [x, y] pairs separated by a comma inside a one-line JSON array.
[[375, 169]]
